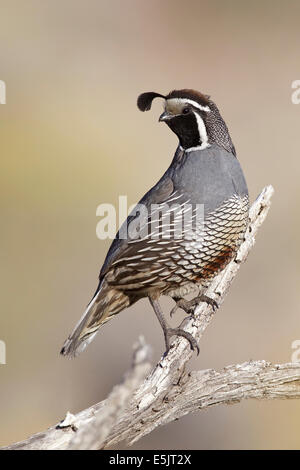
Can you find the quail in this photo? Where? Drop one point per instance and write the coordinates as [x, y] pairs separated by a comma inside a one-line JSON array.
[[161, 255]]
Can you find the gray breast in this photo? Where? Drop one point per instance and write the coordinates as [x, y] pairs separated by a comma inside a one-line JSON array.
[[210, 177]]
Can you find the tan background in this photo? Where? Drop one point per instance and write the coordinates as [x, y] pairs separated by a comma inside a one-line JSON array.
[[71, 138]]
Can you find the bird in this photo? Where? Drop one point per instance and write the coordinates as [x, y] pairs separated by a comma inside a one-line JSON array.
[[173, 258]]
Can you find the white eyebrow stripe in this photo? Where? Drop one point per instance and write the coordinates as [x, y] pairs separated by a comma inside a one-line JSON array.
[[192, 102]]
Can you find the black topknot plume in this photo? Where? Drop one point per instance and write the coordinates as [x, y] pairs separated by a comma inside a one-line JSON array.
[[144, 101]]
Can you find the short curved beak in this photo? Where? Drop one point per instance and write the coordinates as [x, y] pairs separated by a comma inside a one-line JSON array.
[[164, 116]]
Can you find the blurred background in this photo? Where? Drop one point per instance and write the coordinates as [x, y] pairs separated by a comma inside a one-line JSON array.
[[71, 138]]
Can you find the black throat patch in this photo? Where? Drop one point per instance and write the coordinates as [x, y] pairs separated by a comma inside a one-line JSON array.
[[186, 129]]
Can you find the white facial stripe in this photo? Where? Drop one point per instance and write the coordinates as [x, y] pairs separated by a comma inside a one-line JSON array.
[[194, 149], [202, 132], [191, 102]]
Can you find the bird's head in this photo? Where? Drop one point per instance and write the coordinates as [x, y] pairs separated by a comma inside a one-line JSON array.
[[193, 117]]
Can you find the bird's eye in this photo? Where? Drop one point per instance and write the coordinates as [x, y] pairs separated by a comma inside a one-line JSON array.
[[185, 110]]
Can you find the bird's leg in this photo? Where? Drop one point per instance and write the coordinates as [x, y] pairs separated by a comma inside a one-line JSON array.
[[189, 305], [168, 331]]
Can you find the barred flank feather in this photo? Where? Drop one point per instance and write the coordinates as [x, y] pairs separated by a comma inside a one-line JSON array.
[[106, 303]]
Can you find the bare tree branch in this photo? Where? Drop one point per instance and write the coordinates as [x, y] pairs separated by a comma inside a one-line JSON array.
[[169, 392], [200, 390], [92, 434]]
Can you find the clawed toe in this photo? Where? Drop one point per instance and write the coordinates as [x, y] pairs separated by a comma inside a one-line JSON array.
[[186, 305], [174, 309], [189, 305], [179, 332], [169, 332], [209, 301]]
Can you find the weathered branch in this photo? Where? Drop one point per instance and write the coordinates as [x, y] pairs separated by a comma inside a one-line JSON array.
[[91, 434], [169, 392], [200, 390]]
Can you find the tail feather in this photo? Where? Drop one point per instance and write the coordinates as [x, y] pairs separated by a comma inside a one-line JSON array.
[[106, 303]]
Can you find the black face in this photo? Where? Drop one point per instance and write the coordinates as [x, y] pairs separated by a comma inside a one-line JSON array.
[[186, 128]]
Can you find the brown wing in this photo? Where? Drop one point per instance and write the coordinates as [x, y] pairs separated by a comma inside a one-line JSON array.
[[166, 262]]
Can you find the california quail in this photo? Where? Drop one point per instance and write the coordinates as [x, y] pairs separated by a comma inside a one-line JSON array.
[[156, 257]]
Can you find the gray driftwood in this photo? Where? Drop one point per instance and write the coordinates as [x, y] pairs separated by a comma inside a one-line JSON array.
[[138, 405]]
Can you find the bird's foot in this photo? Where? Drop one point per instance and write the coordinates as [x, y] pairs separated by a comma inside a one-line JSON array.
[[169, 332], [189, 305]]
